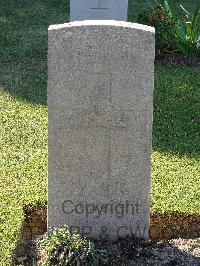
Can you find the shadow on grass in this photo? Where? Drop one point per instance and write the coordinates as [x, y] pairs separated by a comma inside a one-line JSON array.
[[23, 40], [23, 59], [176, 124], [163, 227], [26, 81]]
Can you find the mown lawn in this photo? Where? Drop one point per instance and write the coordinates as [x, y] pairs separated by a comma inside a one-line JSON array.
[[23, 142]]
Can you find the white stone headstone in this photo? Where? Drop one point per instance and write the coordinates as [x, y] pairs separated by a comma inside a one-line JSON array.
[[100, 104], [98, 10]]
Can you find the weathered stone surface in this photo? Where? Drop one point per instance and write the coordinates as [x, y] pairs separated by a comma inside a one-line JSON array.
[[98, 10], [100, 100]]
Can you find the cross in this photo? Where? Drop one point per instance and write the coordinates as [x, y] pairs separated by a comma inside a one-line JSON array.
[[99, 8]]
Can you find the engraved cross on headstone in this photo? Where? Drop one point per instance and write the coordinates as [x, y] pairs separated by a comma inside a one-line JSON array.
[[99, 8]]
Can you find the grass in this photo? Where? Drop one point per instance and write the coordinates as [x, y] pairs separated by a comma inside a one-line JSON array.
[[23, 164], [176, 132], [23, 142]]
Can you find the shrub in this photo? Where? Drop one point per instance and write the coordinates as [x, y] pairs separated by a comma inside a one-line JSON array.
[[161, 18], [177, 33], [187, 32], [62, 248]]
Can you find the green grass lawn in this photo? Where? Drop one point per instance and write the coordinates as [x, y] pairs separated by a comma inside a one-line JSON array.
[[23, 142]]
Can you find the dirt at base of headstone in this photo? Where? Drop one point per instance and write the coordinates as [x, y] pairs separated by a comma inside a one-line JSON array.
[[132, 251], [178, 60], [129, 251]]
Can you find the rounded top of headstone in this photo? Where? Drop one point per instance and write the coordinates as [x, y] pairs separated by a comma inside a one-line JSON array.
[[88, 23]]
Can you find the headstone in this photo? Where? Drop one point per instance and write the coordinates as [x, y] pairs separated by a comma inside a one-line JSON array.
[[100, 102], [98, 10]]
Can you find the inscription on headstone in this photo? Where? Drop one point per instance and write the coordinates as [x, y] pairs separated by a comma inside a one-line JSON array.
[[100, 102], [98, 10]]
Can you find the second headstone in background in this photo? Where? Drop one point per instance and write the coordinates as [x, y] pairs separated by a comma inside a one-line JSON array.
[[98, 10]]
